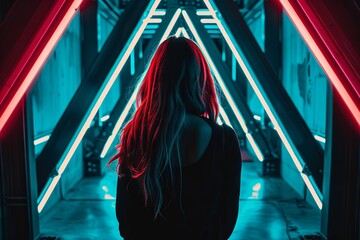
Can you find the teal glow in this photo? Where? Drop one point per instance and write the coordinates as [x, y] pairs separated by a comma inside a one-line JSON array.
[[249, 73], [132, 63], [210, 26], [217, 77], [233, 67], [108, 82], [141, 53], [223, 53], [152, 26], [150, 31]]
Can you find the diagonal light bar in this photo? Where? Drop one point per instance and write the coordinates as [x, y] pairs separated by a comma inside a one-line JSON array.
[[314, 190], [45, 194], [39, 63], [178, 32], [184, 33], [354, 109], [132, 99], [224, 116], [224, 89], [171, 25]]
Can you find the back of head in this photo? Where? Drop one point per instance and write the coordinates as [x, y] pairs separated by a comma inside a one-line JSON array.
[[179, 79], [177, 82]]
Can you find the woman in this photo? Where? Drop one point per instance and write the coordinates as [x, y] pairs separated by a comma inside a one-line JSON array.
[[179, 172]]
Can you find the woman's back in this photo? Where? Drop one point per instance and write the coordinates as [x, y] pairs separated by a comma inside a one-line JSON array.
[[179, 172], [195, 139], [208, 204]]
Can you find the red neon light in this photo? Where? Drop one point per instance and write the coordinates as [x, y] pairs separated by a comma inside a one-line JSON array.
[[354, 109], [29, 78]]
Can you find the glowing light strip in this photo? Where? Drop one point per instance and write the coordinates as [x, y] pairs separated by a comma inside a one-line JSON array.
[[233, 67], [171, 25], [155, 20], [105, 118], [38, 63], [121, 120], [224, 116], [159, 13], [184, 33], [152, 26], [255, 147], [223, 87], [322, 60], [212, 26], [298, 162], [256, 117], [41, 140], [207, 20], [47, 192], [150, 31], [132, 99], [178, 32], [50, 188], [132, 63], [203, 12], [314, 192], [319, 138]]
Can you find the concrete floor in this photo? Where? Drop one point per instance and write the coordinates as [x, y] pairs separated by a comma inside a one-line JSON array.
[[269, 209]]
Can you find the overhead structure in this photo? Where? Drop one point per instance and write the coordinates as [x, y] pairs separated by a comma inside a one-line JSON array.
[[234, 99], [66, 137], [291, 128]]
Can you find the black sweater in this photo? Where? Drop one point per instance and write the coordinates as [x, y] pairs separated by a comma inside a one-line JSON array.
[[210, 197]]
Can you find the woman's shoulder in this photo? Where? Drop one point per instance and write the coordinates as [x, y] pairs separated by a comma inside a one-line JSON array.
[[196, 137]]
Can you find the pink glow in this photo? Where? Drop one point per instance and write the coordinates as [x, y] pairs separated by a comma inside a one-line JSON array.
[[354, 109], [39, 63]]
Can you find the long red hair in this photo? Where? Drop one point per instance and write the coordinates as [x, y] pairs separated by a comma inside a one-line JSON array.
[[178, 81]]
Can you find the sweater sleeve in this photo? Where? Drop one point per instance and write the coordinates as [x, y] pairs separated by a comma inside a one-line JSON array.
[[232, 174]]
